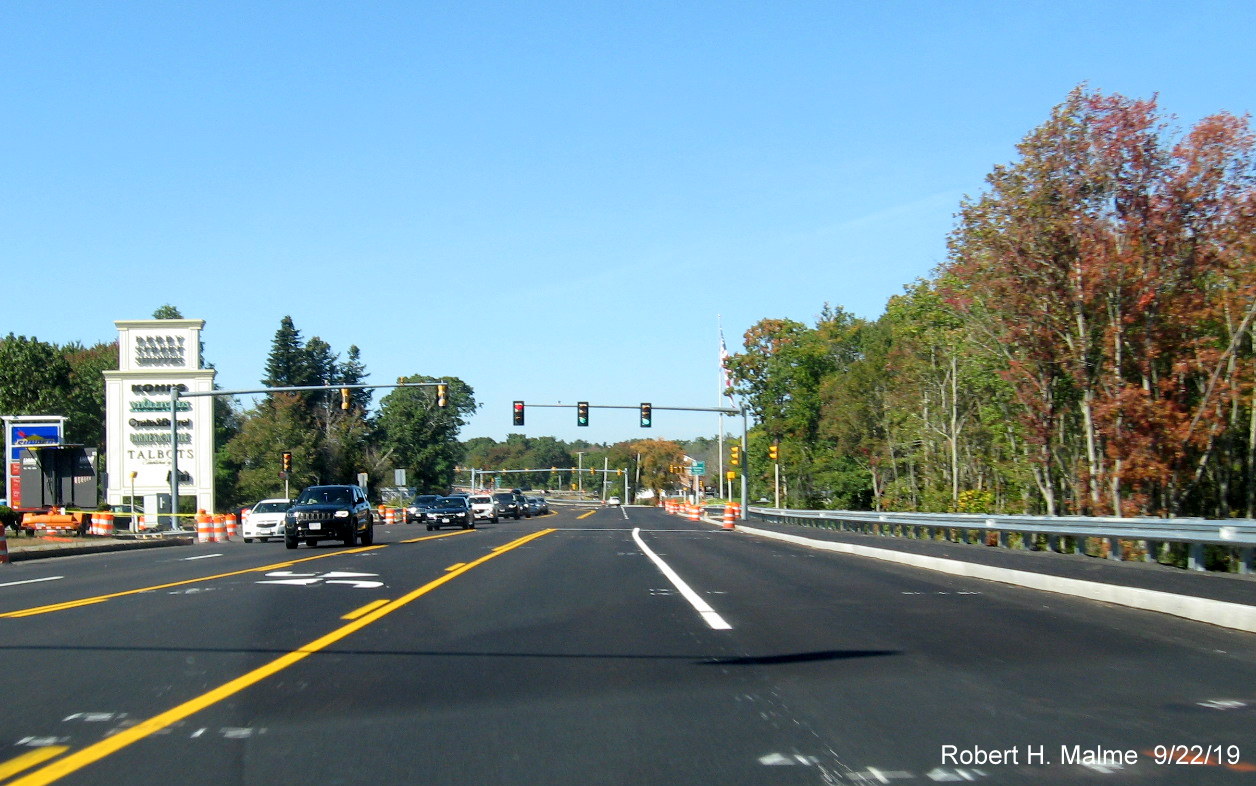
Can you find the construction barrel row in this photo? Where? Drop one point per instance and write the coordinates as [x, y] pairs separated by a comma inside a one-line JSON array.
[[216, 528], [692, 512]]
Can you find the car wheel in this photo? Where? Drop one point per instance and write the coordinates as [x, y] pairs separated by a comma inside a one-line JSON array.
[[516, 517], [494, 519], [368, 537], [290, 542], [312, 542], [429, 527], [351, 536], [248, 540]]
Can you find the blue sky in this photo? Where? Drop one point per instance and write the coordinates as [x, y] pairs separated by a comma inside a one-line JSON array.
[[552, 201]]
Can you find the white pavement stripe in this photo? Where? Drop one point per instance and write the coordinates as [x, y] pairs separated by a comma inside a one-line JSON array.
[[703, 608], [30, 581]]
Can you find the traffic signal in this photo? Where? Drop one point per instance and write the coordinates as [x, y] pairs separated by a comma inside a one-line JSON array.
[[518, 416], [774, 451], [442, 397], [592, 471], [734, 456], [344, 398], [647, 417], [287, 461], [582, 413]]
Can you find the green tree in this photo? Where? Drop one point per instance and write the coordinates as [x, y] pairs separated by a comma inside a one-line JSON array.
[[283, 424], [167, 312], [419, 436], [35, 378]]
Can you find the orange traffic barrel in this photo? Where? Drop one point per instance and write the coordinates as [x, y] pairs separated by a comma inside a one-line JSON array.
[[232, 530], [729, 516], [204, 532], [106, 524], [219, 529], [390, 517]]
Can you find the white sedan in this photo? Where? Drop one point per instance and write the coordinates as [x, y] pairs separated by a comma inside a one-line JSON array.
[[265, 521]]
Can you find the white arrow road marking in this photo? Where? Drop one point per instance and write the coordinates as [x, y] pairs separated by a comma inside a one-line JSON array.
[[333, 577], [298, 582], [776, 760]]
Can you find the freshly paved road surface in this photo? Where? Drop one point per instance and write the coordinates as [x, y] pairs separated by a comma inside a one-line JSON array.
[[572, 649]]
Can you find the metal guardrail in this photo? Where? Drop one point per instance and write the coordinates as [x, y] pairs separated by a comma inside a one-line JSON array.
[[1238, 535]]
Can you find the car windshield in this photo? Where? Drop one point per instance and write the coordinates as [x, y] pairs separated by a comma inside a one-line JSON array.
[[325, 497], [480, 500], [505, 497], [452, 502], [426, 499], [270, 507]]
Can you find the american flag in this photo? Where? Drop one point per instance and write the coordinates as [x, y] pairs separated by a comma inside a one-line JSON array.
[[726, 380]]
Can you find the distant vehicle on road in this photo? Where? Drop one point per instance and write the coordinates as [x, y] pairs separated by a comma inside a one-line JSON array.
[[416, 512], [265, 520], [613, 502], [538, 505], [512, 504], [484, 506], [450, 511]]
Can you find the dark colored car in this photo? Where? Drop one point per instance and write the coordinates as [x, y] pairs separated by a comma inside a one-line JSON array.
[[450, 511], [512, 504], [417, 509], [330, 513]]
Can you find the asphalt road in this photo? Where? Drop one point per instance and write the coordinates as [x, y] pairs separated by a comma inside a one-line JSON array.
[[594, 647]]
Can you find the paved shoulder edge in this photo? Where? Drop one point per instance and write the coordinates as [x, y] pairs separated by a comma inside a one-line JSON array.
[[1215, 612], [19, 555]]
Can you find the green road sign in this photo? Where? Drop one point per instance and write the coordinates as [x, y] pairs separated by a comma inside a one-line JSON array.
[[698, 468]]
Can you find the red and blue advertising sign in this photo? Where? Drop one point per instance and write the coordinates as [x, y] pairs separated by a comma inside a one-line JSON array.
[[20, 436], [26, 435]]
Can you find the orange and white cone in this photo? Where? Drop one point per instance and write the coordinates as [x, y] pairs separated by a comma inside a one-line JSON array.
[[729, 516]]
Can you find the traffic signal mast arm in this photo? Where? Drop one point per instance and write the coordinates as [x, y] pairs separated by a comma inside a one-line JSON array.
[[725, 410], [176, 394]]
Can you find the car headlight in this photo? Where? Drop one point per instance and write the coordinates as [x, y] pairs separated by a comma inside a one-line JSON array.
[[342, 514]]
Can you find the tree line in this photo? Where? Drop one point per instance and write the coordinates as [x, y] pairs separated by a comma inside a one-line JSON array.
[[1086, 348]]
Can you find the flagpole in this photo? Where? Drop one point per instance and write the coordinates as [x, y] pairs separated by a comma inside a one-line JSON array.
[[720, 394]]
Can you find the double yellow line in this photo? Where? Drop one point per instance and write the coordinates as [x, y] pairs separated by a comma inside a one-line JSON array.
[[110, 745]]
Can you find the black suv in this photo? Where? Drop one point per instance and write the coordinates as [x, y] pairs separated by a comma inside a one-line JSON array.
[[330, 512], [512, 504]]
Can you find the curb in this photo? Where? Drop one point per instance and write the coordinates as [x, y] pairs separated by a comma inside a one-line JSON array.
[[1225, 614], [22, 554]]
